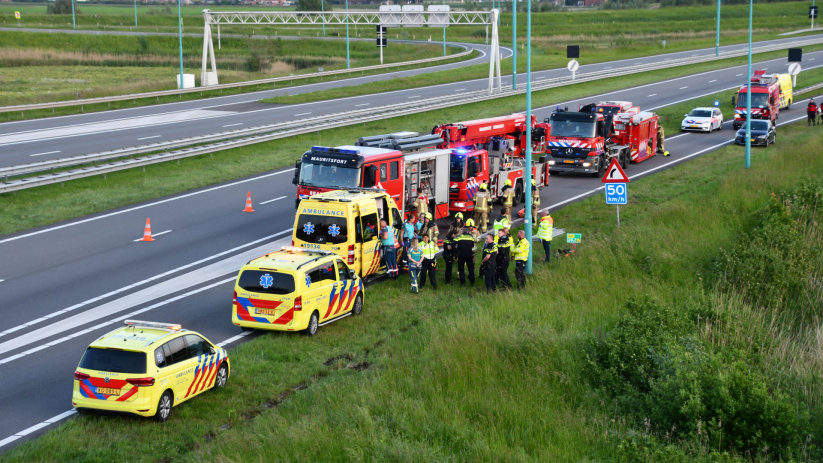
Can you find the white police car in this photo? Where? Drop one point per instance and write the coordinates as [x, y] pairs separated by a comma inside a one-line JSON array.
[[703, 120]]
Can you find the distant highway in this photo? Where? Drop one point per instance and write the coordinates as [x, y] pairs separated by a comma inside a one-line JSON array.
[[62, 286], [52, 138]]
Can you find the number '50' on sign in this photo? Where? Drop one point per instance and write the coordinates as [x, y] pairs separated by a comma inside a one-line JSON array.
[[616, 193]]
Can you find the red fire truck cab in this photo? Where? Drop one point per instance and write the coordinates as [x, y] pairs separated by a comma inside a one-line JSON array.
[[765, 96]]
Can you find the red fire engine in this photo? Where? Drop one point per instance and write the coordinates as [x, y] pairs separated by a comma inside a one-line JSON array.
[[765, 96], [491, 151], [401, 164], [587, 141]]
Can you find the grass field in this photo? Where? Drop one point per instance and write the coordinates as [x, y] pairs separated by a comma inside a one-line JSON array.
[[651, 343], [602, 35]]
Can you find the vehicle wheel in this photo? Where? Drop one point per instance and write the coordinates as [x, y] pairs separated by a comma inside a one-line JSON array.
[[600, 169], [222, 377], [311, 330], [164, 407], [624, 161], [357, 308]]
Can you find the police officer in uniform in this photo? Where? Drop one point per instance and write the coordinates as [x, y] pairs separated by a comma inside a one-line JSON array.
[[488, 266], [508, 199], [482, 201], [521, 255], [429, 249], [465, 253], [503, 255], [449, 253]]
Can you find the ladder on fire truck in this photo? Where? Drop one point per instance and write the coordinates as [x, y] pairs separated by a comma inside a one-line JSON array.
[[434, 17]]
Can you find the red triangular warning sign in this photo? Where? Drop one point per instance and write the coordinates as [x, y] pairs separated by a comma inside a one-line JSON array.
[[615, 174]]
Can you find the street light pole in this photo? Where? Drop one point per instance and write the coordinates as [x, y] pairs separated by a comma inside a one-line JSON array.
[[717, 35], [528, 219], [749, 95], [135, 13], [180, 40], [73, 20], [444, 32], [323, 10], [514, 44], [348, 56]]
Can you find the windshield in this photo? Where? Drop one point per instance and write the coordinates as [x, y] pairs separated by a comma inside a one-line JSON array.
[[457, 169], [700, 113], [262, 281], [321, 229], [758, 125], [325, 176], [608, 109], [114, 360], [758, 99], [582, 129]]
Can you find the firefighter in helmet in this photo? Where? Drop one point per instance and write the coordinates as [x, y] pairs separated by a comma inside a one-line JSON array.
[[430, 228], [481, 207], [421, 205], [535, 200], [508, 199], [457, 224], [661, 138]]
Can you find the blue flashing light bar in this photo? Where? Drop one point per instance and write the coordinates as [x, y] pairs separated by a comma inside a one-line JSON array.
[[326, 149]]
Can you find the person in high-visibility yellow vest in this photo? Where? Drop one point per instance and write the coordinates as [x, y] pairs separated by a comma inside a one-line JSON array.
[[481, 207], [535, 200], [508, 199], [544, 232], [521, 255], [501, 223], [429, 249]]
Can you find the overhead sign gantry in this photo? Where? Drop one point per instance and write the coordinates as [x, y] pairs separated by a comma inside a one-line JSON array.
[[389, 15]]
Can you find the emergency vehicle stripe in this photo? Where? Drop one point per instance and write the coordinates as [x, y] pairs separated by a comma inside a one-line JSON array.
[[216, 362], [332, 299], [343, 295], [197, 370], [126, 396], [88, 390], [352, 290], [375, 262], [285, 318], [243, 311], [206, 374], [264, 304]]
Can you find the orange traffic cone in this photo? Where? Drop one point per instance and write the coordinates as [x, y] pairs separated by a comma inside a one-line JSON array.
[[147, 231], [248, 204]]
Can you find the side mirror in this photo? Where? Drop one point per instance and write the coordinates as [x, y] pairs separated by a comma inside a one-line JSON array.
[[296, 178], [685, 115], [352, 274]]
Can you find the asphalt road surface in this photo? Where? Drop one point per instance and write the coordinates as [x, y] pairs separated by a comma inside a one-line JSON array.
[[53, 138], [65, 285]]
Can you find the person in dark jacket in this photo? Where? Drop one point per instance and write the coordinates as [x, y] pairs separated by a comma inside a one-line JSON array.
[[811, 113], [465, 255]]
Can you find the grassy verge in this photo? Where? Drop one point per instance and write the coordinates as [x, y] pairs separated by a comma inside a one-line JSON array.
[[546, 374]]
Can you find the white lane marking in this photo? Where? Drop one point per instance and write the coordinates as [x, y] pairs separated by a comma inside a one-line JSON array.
[[811, 59], [738, 75], [273, 200], [653, 94], [1, 280], [109, 126], [154, 234], [233, 338], [683, 88], [68, 413], [302, 114], [118, 318], [209, 272], [40, 425], [713, 81], [232, 125], [139, 283], [362, 104], [460, 89], [414, 96], [149, 138], [42, 154], [136, 208]]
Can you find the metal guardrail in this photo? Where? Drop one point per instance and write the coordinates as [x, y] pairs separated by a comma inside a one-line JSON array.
[[285, 129], [138, 96]]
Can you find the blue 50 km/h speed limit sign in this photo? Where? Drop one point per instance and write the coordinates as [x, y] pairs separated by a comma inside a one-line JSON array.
[[616, 193]]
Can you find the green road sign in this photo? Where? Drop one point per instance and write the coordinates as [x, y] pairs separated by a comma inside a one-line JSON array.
[[573, 237]]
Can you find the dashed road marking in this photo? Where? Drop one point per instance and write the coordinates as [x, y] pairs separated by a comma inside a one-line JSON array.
[[147, 138], [302, 114], [232, 125], [42, 154], [272, 200]]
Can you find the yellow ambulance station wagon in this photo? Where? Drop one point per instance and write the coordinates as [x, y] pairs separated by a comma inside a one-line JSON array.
[[295, 289], [146, 368], [347, 223]]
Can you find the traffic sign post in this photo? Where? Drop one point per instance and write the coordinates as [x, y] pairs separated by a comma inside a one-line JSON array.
[[573, 66], [573, 239], [617, 192], [794, 70]]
